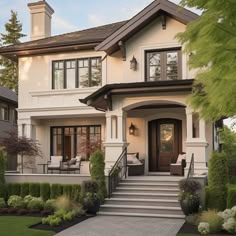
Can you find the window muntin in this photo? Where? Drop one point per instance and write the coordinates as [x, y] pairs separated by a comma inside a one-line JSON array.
[[163, 65], [77, 73]]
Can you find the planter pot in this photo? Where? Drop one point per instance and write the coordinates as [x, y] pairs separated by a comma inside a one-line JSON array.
[[190, 206], [93, 208]]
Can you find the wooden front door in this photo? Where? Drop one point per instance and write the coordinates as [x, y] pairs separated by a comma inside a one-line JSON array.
[[164, 143]]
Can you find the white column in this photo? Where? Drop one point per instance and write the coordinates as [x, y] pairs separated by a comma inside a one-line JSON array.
[[189, 120], [202, 129], [108, 127]]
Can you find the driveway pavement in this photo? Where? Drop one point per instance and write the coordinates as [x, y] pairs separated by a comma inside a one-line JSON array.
[[124, 226]]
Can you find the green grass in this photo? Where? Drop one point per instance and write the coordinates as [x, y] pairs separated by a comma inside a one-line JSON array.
[[186, 234], [18, 226]]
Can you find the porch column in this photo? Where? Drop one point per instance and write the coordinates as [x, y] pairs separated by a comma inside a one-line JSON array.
[[115, 137], [196, 145]]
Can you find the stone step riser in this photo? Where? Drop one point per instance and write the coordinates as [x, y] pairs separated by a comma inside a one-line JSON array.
[[140, 210], [127, 181], [145, 191], [141, 185], [142, 203], [140, 196]]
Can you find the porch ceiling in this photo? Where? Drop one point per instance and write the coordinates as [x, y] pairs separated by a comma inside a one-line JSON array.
[[102, 98]]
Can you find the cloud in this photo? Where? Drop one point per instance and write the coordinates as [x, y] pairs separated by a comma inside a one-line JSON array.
[[95, 20]]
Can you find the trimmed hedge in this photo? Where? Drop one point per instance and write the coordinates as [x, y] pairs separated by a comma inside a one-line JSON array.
[[56, 191], [24, 190], [231, 196], [67, 190], [13, 189], [75, 192], [216, 198], [45, 190], [34, 189]]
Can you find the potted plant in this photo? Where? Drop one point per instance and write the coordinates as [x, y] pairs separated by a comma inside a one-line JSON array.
[[189, 196], [91, 203]]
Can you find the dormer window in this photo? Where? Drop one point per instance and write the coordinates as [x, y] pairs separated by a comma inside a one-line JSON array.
[[77, 73], [163, 65]]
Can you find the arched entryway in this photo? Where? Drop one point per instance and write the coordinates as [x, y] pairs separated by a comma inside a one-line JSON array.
[[164, 143]]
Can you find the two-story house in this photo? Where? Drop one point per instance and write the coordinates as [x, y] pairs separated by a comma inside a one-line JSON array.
[[101, 83], [8, 119]]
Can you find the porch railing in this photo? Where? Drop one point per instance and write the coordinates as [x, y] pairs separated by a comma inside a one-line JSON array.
[[117, 172], [191, 168]]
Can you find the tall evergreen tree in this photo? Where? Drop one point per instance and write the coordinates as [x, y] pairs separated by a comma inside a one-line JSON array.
[[8, 68], [211, 42]]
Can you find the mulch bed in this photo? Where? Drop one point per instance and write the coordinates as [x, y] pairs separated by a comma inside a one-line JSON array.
[[24, 212], [64, 225], [192, 229]]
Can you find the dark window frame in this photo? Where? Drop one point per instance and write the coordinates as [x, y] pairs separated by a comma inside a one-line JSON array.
[[77, 82], [75, 136], [163, 64], [7, 106]]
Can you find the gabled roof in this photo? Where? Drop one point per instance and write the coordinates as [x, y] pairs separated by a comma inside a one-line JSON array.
[[135, 24], [87, 39], [8, 95]]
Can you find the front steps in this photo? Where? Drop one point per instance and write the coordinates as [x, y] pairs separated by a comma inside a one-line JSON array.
[[146, 196]]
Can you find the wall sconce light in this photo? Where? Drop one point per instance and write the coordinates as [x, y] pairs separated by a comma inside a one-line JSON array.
[[133, 64], [132, 129]]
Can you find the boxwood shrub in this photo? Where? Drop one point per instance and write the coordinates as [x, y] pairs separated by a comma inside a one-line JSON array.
[[231, 196], [75, 192], [34, 189], [45, 191], [56, 191], [24, 190], [67, 190], [13, 189]]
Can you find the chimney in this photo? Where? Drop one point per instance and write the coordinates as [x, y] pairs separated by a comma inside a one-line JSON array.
[[41, 14]]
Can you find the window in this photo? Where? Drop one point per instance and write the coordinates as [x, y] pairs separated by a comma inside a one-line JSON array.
[[72, 141], [163, 65], [77, 73], [4, 112]]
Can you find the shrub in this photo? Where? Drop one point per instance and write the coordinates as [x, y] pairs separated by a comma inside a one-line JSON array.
[[16, 202], [34, 189], [89, 186], [36, 204], [229, 218], [52, 220], [24, 190], [97, 166], [2, 203], [75, 192], [189, 185], [67, 190], [56, 191], [213, 219], [2, 174], [13, 189], [231, 196], [27, 199], [50, 204], [63, 203], [45, 191], [204, 228], [216, 198], [218, 170], [69, 216], [193, 219]]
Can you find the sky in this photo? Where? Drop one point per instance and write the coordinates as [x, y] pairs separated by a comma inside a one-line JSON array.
[[72, 15]]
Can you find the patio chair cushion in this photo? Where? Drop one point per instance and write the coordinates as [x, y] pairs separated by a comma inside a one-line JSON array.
[[78, 158], [132, 159], [55, 162], [180, 158], [72, 161]]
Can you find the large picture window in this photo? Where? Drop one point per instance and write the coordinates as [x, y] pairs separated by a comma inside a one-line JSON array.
[[163, 65], [75, 141], [77, 73]]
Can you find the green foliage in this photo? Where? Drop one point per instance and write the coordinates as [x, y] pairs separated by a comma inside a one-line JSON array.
[[2, 203], [218, 170], [45, 191], [2, 174], [9, 71], [36, 204], [50, 204], [67, 190], [213, 219], [56, 191], [193, 219], [75, 192], [27, 199], [52, 220], [63, 203], [13, 189], [34, 189], [215, 97], [89, 186], [68, 216], [16, 202], [231, 196], [97, 166], [24, 190], [216, 198]]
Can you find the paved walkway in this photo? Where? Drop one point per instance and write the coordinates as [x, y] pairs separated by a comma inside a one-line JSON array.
[[124, 226]]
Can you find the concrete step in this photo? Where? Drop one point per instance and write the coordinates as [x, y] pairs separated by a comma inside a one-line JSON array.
[[148, 185], [140, 215], [146, 190], [141, 209], [169, 196], [142, 202]]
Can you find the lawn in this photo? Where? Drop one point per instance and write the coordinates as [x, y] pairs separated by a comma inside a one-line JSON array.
[[18, 226]]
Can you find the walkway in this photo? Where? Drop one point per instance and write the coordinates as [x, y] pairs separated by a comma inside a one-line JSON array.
[[125, 226]]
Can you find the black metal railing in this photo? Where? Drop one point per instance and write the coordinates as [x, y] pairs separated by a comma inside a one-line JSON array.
[[191, 168], [117, 172]]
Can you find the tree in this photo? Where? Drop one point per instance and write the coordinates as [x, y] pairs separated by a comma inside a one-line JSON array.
[[8, 68], [211, 42], [14, 145]]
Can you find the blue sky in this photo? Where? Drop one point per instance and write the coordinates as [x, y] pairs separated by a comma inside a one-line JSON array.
[[72, 15]]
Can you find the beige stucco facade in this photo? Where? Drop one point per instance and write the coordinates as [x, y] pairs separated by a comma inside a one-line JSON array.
[[41, 107]]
